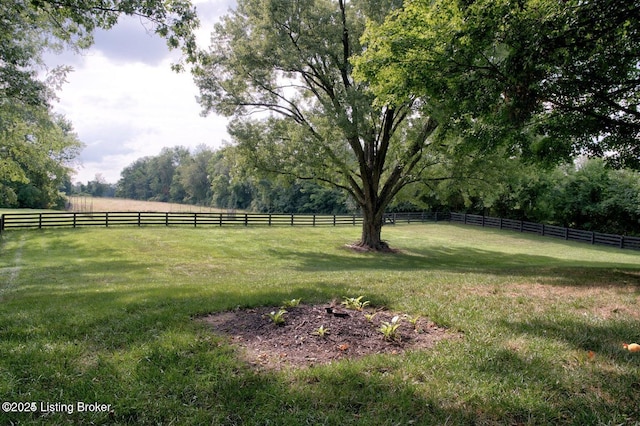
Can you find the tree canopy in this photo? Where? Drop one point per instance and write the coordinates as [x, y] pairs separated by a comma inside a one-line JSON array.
[[551, 78]]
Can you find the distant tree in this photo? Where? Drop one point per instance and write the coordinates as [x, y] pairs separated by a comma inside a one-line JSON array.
[[194, 176], [278, 195], [135, 180], [98, 187], [230, 187], [154, 178], [162, 171], [596, 198]]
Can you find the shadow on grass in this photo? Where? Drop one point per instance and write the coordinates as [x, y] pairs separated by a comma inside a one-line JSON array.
[[604, 338], [467, 260], [536, 390]]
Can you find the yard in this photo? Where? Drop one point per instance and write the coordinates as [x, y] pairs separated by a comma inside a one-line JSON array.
[[106, 326]]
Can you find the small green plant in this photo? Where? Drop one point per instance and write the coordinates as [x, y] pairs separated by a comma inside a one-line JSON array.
[[370, 317], [412, 320], [355, 303], [390, 329], [291, 303], [321, 331], [277, 317]]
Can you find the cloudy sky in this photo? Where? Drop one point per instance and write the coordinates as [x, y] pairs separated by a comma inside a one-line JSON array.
[[125, 102]]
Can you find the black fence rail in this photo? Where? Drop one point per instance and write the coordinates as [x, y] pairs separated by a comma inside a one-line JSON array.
[[10, 221], [569, 234], [110, 219], [415, 217]]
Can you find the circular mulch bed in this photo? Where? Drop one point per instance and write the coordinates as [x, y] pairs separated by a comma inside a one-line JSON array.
[[350, 334]]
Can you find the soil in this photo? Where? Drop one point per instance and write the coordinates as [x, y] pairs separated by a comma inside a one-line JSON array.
[[297, 343]]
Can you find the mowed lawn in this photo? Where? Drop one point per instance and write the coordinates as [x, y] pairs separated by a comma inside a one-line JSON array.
[[106, 317]]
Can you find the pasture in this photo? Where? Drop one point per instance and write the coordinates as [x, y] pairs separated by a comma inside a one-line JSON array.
[[108, 316], [79, 203]]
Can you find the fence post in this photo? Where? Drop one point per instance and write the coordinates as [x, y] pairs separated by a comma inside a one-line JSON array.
[[500, 223], [291, 219], [1, 223], [354, 220], [269, 219], [220, 218], [314, 220], [74, 219], [166, 219], [621, 241], [483, 221], [593, 237], [139, 219], [195, 220], [246, 219], [334, 220], [543, 229], [106, 219], [566, 234], [40, 221]]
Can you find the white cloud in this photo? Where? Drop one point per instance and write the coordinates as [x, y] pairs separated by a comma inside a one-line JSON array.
[[131, 41], [125, 102]]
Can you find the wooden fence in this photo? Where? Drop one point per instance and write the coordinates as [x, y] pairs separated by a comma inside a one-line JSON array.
[[198, 219], [111, 219], [569, 234], [415, 217]]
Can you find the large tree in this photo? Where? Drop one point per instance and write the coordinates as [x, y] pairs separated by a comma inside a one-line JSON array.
[[282, 70], [552, 78]]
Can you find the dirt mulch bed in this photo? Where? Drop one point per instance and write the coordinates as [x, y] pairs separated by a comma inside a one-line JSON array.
[[297, 343]]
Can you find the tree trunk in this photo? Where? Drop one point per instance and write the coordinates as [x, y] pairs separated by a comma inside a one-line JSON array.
[[372, 219]]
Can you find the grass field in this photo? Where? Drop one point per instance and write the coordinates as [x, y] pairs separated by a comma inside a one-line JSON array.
[[107, 316], [103, 204]]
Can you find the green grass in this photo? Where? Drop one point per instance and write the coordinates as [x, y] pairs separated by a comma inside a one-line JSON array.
[[106, 315]]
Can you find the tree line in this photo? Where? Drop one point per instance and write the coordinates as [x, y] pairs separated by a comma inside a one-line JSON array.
[[585, 194], [218, 178]]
